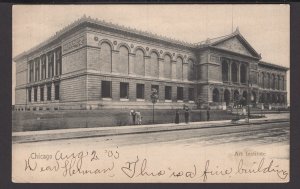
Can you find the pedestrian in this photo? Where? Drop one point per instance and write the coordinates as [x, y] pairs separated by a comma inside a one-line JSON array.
[[176, 117], [186, 115], [208, 114], [133, 114], [139, 118]]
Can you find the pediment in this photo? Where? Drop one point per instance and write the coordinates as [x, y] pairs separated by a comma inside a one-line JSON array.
[[237, 45]]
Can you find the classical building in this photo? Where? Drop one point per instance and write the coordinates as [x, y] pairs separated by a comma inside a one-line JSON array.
[[93, 64]]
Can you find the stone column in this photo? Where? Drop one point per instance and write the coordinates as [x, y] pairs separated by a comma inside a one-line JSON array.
[[161, 68], [32, 95], [52, 91], [131, 64]]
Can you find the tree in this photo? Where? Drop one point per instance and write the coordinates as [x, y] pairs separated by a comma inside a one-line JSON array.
[[154, 97]]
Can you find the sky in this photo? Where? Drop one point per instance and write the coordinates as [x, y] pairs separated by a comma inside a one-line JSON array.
[[265, 27]]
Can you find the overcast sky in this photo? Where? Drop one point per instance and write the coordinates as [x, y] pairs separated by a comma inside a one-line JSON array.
[[265, 27]]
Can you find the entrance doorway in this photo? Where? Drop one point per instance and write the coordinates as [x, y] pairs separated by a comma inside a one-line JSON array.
[[227, 97]]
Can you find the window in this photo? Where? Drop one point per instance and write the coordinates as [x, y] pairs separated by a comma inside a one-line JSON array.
[[124, 90], [29, 95], [168, 92], [58, 62], [215, 95], [50, 65], [43, 60], [154, 65], [35, 94], [140, 91], [42, 93], [179, 68], [179, 93], [225, 71], [139, 66], [56, 91], [191, 94], [105, 57], [31, 71], [106, 89], [37, 69], [167, 67], [49, 92]]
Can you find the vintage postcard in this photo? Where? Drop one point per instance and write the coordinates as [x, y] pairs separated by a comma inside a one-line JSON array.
[[151, 94]]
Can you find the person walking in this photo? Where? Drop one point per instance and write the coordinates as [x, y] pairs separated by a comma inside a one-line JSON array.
[[208, 114], [139, 118], [176, 117], [186, 115], [133, 114]]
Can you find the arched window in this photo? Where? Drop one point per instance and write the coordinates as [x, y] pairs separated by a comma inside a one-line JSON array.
[[227, 97], [167, 67], [215, 95], [105, 57], [191, 71], [139, 66], [179, 68], [122, 67], [225, 71], [243, 74], [154, 65], [234, 73]]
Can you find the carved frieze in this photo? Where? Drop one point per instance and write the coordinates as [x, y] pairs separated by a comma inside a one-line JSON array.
[[75, 44], [214, 58]]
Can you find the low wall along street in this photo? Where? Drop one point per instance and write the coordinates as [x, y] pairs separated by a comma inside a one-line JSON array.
[[48, 120]]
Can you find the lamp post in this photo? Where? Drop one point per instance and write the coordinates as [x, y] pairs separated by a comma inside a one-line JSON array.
[[154, 97], [249, 100]]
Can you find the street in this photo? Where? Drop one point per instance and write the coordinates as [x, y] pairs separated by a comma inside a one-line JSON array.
[[223, 146]]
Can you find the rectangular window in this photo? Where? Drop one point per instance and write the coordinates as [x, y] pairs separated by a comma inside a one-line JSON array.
[[179, 93], [191, 94], [37, 70], [106, 89], [29, 95], [58, 62], [140, 91], [43, 60], [50, 64], [56, 91], [49, 92], [42, 93], [124, 90], [35, 94], [31, 71], [168, 92]]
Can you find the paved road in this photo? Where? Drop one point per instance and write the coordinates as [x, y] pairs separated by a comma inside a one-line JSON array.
[[237, 135], [168, 150]]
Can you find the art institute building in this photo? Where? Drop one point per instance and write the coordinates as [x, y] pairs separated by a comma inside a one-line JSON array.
[[92, 64]]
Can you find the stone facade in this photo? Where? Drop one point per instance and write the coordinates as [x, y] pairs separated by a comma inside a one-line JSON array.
[[92, 64]]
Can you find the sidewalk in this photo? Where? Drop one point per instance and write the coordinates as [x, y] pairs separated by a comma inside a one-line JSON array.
[[47, 135]]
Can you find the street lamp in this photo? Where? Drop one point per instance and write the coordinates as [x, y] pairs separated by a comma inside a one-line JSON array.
[[154, 97], [249, 99]]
